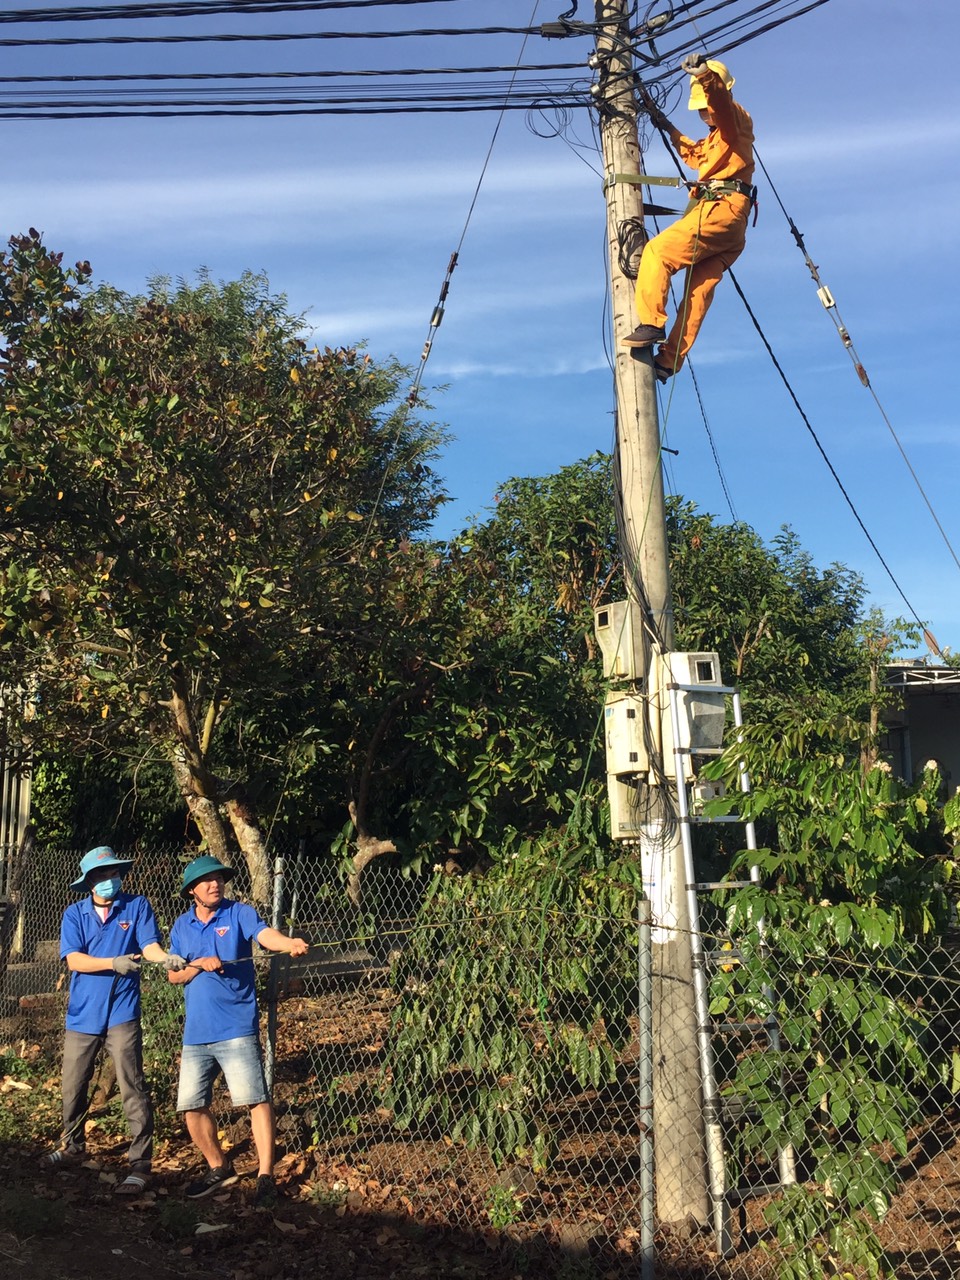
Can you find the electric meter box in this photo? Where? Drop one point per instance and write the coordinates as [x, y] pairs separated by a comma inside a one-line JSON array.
[[625, 733], [622, 639], [626, 810], [701, 705]]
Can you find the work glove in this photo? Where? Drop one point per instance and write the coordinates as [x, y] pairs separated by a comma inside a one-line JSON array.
[[125, 965], [173, 963], [695, 64]]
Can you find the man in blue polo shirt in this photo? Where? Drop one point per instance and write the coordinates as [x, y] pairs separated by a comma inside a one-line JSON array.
[[222, 1027], [102, 939]]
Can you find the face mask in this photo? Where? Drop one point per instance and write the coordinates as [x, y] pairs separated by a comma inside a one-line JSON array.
[[107, 889]]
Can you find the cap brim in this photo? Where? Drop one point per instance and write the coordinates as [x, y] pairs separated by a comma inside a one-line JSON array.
[[84, 881], [228, 873]]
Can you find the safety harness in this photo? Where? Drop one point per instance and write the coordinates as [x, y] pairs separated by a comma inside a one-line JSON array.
[[716, 188]]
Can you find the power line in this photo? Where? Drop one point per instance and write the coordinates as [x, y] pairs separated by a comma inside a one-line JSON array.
[[729, 29], [192, 8], [436, 317], [268, 37], [830, 306], [571, 30], [713, 444], [345, 106], [326, 73], [450, 89], [823, 453]]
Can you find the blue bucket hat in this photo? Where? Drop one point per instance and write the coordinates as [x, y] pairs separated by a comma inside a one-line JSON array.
[[203, 868], [101, 859]]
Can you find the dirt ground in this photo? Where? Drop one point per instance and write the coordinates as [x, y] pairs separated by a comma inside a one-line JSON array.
[[69, 1226], [382, 1205]]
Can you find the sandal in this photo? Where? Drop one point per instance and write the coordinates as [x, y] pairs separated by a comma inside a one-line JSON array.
[[63, 1158], [133, 1185]]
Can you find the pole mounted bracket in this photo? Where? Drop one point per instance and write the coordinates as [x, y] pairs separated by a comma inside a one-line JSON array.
[[641, 179]]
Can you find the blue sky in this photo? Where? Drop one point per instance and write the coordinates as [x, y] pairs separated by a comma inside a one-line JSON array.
[[356, 218]]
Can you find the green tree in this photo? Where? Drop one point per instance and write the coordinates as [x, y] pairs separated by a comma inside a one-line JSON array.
[[481, 710], [786, 632], [198, 515], [838, 939]]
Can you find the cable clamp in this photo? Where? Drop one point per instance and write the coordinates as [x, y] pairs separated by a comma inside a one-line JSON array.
[[562, 28]]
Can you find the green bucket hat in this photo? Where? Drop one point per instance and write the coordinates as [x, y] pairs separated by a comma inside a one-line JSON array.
[[203, 868]]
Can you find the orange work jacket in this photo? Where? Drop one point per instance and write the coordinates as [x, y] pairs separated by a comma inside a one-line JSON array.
[[727, 150]]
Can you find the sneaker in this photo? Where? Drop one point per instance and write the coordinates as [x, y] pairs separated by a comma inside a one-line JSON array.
[[266, 1194], [645, 335], [212, 1181], [64, 1158], [663, 373]]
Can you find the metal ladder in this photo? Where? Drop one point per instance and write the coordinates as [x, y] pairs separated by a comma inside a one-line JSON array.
[[722, 1197]]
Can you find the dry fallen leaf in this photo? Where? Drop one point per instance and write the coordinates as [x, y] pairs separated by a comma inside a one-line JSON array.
[[8, 1084]]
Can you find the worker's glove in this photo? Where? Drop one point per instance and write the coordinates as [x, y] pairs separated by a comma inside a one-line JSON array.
[[695, 64], [125, 965], [173, 963]]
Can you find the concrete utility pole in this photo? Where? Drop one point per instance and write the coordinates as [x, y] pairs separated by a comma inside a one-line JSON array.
[[681, 1178]]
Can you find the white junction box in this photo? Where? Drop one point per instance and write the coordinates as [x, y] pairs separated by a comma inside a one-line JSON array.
[[701, 704], [622, 639], [627, 812], [625, 733]]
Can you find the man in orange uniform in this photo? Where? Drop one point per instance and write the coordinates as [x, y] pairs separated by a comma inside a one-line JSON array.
[[710, 235]]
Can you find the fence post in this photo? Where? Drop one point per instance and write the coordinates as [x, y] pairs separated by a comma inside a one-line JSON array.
[[273, 984], [645, 1087]]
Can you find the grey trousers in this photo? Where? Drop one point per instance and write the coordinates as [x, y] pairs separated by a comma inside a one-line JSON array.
[[124, 1043]]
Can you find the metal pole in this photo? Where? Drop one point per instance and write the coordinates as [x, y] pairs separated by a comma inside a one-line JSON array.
[[645, 1089], [273, 985], [681, 1174]]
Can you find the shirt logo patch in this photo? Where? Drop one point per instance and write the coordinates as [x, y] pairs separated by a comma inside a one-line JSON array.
[[224, 929], [124, 925]]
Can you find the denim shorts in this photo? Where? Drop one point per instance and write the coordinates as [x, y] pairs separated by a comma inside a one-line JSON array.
[[242, 1068]]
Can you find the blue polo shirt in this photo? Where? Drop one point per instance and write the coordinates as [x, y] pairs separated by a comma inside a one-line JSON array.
[[220, 1006], [101, 1000]]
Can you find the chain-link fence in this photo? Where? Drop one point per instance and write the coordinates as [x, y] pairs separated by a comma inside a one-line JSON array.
[[497, 1071]]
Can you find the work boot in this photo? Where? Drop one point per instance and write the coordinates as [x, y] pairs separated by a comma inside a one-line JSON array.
[[645, 335]]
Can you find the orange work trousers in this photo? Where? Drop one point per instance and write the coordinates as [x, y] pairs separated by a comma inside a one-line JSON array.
[[706, 241]]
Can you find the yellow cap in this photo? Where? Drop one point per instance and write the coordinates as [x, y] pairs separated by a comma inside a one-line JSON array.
[[698, 99]]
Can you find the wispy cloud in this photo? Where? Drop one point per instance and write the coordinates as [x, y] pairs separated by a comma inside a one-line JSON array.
[[916, 142], [534, 368], [320, 201]]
